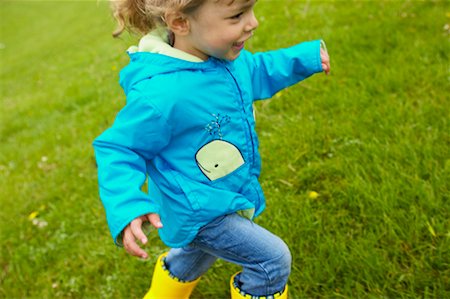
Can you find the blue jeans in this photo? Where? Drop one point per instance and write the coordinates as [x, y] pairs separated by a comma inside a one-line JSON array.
[[265, 258]]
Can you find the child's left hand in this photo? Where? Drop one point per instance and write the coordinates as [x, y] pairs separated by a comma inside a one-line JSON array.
[[325, 60]]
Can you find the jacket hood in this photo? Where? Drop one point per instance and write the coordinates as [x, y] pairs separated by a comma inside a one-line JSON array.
[[154, 56]]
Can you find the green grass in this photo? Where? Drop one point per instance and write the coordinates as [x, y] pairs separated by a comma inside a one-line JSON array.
[[373, 139]]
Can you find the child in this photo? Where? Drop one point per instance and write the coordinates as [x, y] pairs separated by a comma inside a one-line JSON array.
[[188, 127]]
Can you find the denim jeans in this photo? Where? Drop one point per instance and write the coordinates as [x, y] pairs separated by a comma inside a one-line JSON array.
[[265, 258]]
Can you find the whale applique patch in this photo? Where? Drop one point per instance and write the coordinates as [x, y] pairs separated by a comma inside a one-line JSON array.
[[218, 157]]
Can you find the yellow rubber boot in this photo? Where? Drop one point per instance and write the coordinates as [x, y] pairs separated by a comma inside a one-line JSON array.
[[165, 287], [236, 293]]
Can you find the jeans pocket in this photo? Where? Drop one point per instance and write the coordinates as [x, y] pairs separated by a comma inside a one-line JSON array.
[[205, 232], [216, 222]]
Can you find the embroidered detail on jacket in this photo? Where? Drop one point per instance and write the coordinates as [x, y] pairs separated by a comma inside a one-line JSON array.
[[218, 158], [215, 126]]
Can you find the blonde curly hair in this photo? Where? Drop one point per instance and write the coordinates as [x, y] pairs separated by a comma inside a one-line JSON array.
[[142, 16]]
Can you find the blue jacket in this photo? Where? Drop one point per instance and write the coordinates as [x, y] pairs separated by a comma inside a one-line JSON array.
[[189, 128]]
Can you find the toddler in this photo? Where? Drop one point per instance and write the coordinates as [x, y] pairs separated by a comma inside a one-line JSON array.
[[188, 128]]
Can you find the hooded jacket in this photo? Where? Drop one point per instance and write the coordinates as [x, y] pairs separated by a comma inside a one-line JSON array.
[[188, 127]]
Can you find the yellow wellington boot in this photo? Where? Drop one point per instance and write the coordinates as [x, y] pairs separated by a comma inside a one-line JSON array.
[[237, 294], [165, 287]]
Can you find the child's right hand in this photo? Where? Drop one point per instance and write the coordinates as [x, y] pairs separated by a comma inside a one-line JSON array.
[[134, 232], [325, 58]]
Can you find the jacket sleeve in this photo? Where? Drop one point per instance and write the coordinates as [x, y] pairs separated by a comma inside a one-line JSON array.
[[138, 134], [275, 70]]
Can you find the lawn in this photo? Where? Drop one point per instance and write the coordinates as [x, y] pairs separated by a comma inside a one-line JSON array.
[[356, 165]]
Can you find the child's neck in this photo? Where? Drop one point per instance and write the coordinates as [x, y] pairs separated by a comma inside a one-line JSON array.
[[184, 44]]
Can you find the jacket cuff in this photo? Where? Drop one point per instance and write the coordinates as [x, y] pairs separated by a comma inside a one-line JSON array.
[[308, 56]]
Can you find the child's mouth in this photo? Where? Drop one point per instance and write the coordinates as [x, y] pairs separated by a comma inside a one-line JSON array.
[[238, 46]]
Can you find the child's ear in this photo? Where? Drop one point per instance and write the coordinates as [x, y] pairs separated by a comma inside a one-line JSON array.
[[178, 23]]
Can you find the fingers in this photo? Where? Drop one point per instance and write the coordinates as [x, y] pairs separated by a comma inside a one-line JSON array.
[[136, 229], [129, 242], [154, 220], [326, 68], [132, 232], [325, 61]]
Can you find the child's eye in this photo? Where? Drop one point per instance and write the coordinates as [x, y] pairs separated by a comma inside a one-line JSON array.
[[237, 16]]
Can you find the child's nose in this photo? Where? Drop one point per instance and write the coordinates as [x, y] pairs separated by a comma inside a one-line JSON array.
[[252, 23]]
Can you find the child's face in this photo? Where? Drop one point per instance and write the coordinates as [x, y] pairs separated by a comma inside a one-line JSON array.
[[220, 30]]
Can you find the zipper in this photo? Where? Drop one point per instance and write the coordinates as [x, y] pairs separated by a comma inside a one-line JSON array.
[[249, 128]]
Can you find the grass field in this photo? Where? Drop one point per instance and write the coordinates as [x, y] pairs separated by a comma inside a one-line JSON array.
[[372, 139]]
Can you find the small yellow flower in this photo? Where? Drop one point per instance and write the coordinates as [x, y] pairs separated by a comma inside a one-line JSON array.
[[279, 94], [313, 194], [33, 215]]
